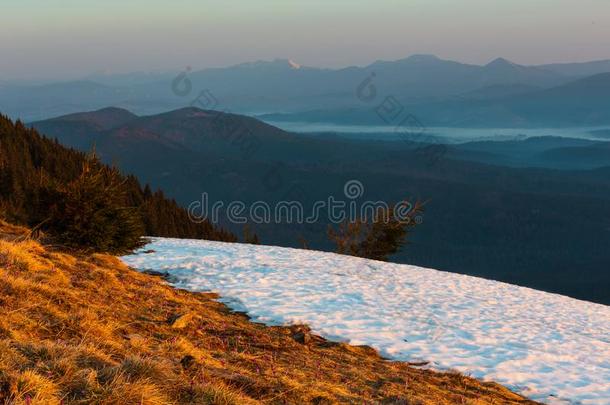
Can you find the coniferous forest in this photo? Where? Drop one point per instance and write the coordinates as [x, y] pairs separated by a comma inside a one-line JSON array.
[[46, 186]]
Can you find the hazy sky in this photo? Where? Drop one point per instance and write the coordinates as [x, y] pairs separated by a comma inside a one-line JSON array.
[[71, 38]]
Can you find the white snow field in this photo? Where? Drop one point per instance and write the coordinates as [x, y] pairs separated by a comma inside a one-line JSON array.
[[551, 348]]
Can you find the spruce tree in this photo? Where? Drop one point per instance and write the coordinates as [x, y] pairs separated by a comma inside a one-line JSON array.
[[91, 213]]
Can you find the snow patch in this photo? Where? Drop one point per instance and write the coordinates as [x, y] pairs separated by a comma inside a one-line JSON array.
[[546, 346]]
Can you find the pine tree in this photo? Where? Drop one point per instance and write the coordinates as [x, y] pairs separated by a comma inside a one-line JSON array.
[[91, 212]]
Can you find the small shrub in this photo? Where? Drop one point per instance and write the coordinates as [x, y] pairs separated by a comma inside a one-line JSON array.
[[376, 239], [249, 236]]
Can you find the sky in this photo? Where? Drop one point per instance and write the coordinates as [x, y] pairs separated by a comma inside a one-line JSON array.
[[74, 38]]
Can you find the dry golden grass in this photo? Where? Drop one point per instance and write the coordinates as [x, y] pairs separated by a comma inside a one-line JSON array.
[[87, 329], [12, 232]]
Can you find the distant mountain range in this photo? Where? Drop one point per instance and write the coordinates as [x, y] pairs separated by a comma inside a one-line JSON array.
[[522, 224], [579, 69], [421, 82], [580, 103]]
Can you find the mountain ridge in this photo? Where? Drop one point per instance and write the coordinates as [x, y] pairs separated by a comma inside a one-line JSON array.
[[282, 85], [577, 103]]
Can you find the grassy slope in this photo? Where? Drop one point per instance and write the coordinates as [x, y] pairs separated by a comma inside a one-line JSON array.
[[76, 329]]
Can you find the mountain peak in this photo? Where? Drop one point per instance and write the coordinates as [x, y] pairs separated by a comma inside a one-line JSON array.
[[276, 63], [189, 112], [501, 63], [293, 64], [420, 58], [104, 118], [284, 63], [416, 59], [114, 110]]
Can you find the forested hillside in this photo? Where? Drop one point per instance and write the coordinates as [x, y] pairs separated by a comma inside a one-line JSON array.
[[31, 166]]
